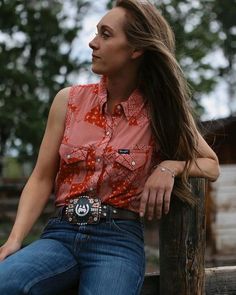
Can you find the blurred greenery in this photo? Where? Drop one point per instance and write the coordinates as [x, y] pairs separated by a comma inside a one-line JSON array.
[[36, 40], [11, 168], [225, 13], [35, 63]]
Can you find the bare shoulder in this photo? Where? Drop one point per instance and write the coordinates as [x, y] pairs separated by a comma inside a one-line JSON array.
[[60, 101], [59, 105], [48, 157]]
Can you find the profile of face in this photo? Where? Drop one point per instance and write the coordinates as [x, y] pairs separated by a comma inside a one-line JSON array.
[[112, 53]]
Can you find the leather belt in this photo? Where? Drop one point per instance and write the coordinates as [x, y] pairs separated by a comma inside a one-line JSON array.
[[89, 210]]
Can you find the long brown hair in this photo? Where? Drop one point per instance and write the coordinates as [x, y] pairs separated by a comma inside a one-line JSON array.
[[164, 87]]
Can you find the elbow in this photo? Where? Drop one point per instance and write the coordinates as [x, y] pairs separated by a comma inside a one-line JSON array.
[[215, 171]]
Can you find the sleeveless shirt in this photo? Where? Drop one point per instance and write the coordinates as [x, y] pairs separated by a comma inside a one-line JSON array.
[[105, 155]]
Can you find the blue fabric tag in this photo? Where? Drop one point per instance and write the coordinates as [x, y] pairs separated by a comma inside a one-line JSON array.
[[123, 151]]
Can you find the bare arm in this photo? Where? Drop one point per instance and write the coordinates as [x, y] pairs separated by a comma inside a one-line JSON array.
[[156, 194], [38, 188], [207, 164]]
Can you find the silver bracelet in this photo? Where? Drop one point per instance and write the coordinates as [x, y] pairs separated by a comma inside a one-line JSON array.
[[163, 169]]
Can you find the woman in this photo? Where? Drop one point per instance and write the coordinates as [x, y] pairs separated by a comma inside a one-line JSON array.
[[124, 145]]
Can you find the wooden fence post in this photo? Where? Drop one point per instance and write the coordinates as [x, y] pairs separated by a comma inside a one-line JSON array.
[[182, 245]]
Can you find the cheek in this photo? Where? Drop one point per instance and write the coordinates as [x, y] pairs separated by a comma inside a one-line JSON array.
[[117, 57]]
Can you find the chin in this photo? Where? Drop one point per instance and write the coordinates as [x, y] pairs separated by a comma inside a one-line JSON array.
[[97, 71]]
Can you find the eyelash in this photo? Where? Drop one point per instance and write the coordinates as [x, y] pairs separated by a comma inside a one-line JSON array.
[[104, 35]]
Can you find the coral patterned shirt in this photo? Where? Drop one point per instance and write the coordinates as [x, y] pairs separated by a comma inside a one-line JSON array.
[[102, 154]]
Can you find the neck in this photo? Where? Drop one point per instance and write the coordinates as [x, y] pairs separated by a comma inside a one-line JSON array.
[[120, 88]]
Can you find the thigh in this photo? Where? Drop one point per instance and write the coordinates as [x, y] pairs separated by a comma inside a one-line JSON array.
[[117, 260], [43, 267]]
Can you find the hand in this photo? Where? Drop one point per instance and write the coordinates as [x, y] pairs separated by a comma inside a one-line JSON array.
[[156, 194], [9, 248]]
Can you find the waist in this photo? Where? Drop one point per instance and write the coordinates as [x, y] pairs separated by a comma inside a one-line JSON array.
[[86, 210]]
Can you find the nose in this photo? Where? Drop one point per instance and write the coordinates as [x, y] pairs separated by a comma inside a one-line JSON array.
[[93, 44]]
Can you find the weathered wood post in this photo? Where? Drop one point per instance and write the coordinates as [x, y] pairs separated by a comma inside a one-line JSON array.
[[182, 245]]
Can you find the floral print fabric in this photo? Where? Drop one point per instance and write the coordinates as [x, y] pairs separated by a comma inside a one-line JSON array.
[[102, 154]]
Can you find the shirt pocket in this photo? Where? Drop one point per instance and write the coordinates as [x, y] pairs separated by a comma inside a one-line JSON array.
[[73, 154], [131, 161]]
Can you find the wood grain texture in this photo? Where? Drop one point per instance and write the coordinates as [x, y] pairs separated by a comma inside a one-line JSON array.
[[182, 245], [219, 281]]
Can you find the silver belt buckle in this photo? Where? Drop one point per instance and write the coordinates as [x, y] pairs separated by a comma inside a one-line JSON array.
[[84, 210]]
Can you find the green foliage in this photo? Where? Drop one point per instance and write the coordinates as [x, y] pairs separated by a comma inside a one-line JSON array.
[[11, 168], [35, 63], [202, 27], [225, 15], [36, 60]]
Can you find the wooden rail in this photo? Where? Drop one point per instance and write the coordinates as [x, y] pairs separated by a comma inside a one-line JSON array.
[[219, 281], [182, 245]]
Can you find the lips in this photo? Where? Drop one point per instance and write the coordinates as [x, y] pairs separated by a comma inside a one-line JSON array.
[[95, 56]]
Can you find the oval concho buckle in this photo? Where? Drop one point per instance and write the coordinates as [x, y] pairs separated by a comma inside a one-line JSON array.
[[84, 210]]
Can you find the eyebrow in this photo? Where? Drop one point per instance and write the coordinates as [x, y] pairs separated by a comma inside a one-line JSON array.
[[104, 27]]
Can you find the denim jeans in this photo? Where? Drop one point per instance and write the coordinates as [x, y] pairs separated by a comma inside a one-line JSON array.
[[107, 258]]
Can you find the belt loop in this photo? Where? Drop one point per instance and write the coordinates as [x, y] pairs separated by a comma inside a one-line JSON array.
[[109, 213], [60, 212]]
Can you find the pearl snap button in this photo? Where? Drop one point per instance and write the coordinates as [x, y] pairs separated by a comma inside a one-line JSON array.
[[68, 156], [108, 132], [133, 163]]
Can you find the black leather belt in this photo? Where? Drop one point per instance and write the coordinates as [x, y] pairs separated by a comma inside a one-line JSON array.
[[89, 210]]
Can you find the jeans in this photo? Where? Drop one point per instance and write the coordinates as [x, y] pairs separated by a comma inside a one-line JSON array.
[[107, 258]]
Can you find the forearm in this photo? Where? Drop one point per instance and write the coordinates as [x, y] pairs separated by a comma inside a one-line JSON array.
[[32, 202], [203, 167]]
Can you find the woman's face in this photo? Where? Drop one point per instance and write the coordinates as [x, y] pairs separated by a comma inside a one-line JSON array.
[[111, 54]]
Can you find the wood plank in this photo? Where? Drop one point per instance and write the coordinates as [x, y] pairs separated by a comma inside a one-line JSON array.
[[225, 219], [227, 180], [224, 199], [221, 280], [225, 243], [227, 177], [227, 189]]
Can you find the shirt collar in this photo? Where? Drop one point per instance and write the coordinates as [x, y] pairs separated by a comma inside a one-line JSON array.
[[131, 106]]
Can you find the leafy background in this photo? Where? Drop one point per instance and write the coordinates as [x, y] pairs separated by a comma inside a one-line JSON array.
[[36, 60]]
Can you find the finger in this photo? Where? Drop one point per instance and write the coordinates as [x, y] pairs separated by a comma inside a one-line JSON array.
[[167, 197], [159, 203], [143, 201], [151, 203]]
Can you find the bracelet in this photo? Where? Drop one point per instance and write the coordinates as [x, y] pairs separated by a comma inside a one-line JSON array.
[[163, 169]]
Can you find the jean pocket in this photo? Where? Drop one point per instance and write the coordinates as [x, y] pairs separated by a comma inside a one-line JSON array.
[[130, 227], [51, 222]]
